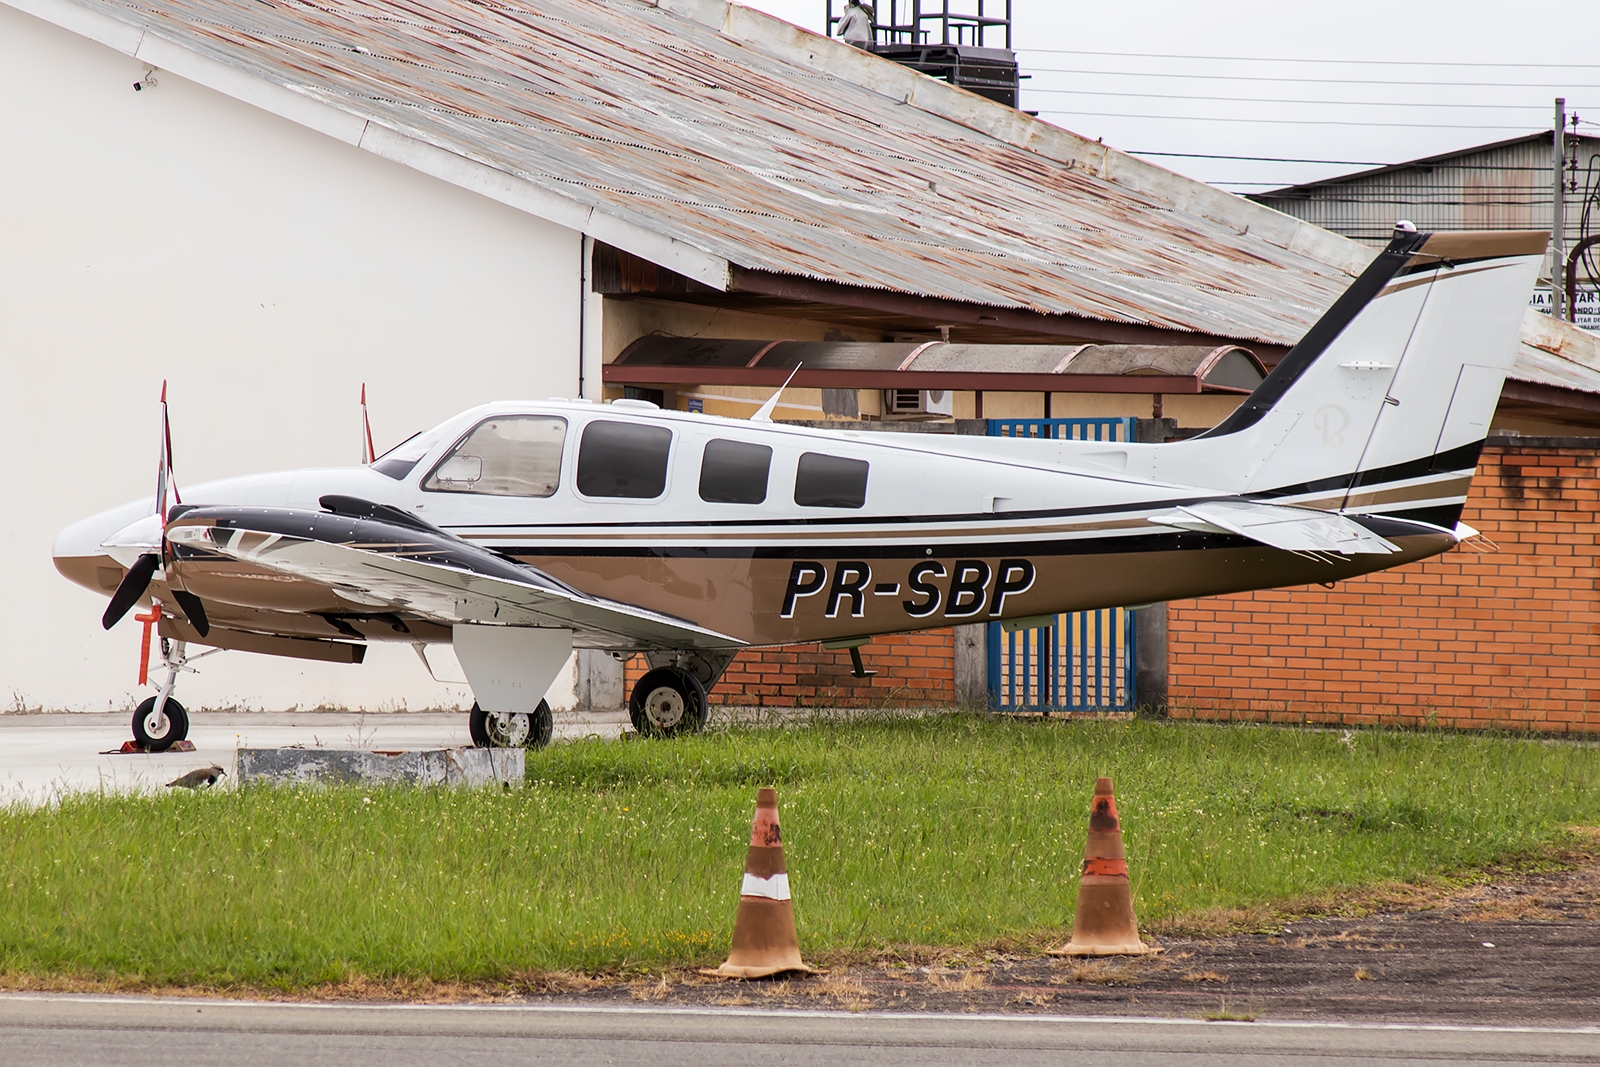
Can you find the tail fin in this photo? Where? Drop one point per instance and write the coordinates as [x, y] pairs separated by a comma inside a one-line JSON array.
[[1384, 404]]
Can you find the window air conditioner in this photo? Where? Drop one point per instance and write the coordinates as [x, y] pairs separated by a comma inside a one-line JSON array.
[[918, 401]]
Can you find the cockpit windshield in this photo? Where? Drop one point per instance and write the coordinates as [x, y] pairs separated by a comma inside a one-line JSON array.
[[398, 461]]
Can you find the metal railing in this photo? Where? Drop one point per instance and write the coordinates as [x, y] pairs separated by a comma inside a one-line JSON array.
[[973, 22]]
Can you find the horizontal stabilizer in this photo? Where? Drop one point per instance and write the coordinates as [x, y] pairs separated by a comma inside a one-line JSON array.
[[1286, 528]]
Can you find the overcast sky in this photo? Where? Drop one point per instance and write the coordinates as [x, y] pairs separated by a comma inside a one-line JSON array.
[[1360, 81]]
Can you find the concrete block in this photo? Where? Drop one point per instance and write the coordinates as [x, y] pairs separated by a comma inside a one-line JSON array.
[[467, 767]]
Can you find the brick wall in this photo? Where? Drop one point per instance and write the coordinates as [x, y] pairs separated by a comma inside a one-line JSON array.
[[1467, 639], [913, 669]]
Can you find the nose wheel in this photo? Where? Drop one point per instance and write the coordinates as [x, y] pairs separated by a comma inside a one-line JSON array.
[[156, 730], [668, 701], [511, 729], [159, 722]]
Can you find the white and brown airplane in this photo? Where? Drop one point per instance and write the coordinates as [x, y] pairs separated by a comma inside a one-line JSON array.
[[520, 530]]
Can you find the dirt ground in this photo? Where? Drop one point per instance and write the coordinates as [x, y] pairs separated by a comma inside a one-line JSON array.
[[1522, 949], [1514, 947]]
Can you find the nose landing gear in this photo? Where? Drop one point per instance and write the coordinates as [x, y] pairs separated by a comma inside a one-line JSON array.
[[159, 722]]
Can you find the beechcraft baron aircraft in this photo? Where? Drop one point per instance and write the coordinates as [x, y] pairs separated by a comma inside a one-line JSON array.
[[520, 530]]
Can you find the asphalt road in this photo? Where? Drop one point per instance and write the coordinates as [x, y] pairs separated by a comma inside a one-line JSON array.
[[55, 1031]]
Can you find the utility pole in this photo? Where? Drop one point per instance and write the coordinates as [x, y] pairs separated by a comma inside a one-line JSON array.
[[1558, 214]]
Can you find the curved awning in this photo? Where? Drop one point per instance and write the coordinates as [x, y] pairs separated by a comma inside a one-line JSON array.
[[673, 362]]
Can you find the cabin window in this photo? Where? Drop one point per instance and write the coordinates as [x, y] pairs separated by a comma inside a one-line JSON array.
[[510, 455], [734, 472], [623, 459], [830, 482]]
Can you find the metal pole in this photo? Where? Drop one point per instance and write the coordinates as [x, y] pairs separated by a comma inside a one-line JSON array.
[[1558, 211]]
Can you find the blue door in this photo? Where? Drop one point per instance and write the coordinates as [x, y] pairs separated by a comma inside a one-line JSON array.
[[1084, 661]]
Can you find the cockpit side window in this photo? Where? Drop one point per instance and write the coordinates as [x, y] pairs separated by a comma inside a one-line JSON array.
[[623, 459], [830, 482], [509, 455], [734, 472]]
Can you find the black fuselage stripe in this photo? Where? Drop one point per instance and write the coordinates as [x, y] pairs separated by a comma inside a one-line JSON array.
[[1462, 459], [1154, 540]]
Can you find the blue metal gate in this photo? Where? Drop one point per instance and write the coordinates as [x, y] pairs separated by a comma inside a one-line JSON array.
[[1085, 660]]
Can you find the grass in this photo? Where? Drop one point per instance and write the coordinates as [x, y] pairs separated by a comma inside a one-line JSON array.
[[944, 831]]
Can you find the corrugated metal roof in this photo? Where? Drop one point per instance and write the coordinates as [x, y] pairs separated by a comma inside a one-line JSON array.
[[1505, 186], [758, 155], [1555, 353], [719, 129]]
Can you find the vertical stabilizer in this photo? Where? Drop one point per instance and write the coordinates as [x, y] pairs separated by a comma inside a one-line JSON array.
[[1382, 407]]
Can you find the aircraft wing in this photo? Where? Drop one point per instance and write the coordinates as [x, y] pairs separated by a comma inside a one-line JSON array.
[[423, 571], [1287, 528]]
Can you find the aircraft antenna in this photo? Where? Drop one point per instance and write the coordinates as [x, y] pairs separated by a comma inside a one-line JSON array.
[[368, 453], [765, 413], [164, 475]]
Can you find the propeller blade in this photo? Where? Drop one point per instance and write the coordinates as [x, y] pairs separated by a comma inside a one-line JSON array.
[[195, 610], [132, 587]]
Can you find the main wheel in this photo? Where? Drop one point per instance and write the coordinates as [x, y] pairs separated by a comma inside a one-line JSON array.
[[160, 736], [668, 701], [511, 729]]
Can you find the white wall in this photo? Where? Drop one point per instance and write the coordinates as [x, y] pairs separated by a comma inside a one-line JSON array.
[[265, 271]]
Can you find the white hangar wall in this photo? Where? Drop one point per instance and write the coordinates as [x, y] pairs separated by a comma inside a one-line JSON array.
[[265, 271]]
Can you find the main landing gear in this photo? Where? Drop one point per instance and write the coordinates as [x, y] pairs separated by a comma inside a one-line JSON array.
[[667, 701], [511, 729], [671, 698]]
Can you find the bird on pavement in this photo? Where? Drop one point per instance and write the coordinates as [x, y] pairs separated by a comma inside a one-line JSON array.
[[198, 777]]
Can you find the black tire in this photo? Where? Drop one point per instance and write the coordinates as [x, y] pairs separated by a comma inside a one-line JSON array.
[[668, 701], [512, 730], [177, 725]]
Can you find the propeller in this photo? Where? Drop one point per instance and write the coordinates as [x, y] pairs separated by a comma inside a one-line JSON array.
[[137, 580], [195, 610], [130, 589]]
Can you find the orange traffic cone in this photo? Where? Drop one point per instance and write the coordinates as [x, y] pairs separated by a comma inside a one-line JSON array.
[[764, 941], [1104, 924]]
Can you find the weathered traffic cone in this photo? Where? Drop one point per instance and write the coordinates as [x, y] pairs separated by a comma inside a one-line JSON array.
[[1104, 924], [764, 941]]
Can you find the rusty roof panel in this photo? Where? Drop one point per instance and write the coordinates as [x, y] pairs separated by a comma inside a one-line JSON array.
[[757, 157], [746, 145]]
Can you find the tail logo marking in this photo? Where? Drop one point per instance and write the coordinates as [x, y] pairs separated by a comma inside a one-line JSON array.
[[1331, 421]]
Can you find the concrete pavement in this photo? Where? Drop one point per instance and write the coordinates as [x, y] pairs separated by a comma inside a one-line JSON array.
[[42, 756]]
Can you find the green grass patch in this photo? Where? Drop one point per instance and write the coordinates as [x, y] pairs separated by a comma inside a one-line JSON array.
[[945, 831]]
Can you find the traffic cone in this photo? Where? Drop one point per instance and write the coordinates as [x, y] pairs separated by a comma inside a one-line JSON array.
[[764, 941], [1104, 924]]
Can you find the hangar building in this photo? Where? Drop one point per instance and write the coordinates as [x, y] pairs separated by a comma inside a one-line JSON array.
[[268, 203]]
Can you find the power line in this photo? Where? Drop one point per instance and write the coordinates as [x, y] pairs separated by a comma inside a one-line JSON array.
[[1436, 164], [1381, 197], [1307, 81], [1343, 62], [1262, 159], [1263, 100], [1284, 122]]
